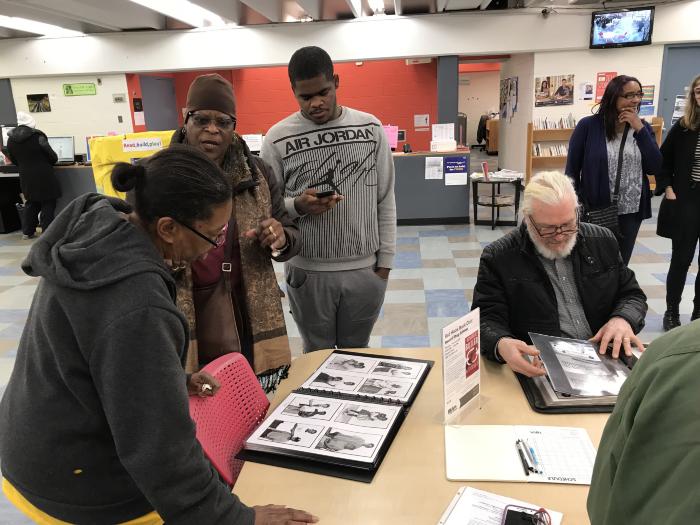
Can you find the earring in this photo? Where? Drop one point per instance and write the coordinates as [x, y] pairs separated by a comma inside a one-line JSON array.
[[184, 130]]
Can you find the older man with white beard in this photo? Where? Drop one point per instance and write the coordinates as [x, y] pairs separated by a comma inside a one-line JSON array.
[[555, 276]]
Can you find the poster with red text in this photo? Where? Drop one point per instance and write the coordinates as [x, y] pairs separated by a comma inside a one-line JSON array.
[[461, 364], [601, 82]]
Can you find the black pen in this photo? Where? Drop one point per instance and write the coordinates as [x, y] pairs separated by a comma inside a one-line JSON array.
[[522, 459]]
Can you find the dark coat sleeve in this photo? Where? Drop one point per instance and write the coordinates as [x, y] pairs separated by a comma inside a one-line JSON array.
[[631, 302], [651, 156], [47, 150], [490, 297], [668, 147], [139, 378], [279, 211], [574, 158]]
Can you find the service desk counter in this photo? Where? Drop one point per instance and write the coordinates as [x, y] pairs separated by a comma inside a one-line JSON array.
[[73, 180], [421, 199]]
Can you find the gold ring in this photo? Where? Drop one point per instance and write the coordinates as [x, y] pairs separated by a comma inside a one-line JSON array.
[[271, 230], [625, 338]]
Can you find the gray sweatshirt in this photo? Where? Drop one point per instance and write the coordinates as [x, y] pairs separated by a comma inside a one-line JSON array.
[[94, 424], [352, 154]]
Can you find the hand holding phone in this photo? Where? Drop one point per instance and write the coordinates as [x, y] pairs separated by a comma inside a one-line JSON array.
[[312, 202]]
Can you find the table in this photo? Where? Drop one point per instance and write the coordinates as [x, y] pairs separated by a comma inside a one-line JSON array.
[[496, 207], [410, 486]]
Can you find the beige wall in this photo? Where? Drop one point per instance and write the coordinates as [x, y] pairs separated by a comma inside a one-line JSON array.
[[76, 116], [478, 94], [512, 133]]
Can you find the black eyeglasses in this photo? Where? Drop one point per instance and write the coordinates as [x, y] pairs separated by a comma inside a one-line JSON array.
[[218, 241], [202, 121], [630, 96], [550, 231]]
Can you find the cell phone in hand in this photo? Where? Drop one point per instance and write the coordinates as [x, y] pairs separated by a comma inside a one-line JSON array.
[[322, 194]]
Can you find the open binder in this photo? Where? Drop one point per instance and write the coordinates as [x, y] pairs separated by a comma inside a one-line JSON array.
[[578, 378], [343, 419]]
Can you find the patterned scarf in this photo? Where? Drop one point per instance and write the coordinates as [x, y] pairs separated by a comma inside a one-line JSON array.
[[271, 354]]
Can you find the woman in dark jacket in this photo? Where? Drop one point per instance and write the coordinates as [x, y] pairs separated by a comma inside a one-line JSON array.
[[260, 228], [680, 181], [29, 150], [594, 149]]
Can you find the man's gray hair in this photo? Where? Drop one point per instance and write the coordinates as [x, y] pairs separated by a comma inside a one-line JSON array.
[[548, 187]]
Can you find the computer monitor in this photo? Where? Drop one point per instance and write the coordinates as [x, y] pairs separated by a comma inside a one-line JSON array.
[[5, 132], [64, 148]]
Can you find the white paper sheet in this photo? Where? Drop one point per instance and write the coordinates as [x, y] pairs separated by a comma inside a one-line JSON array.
[[564, 454], [433, 168], [477, 507], [456, 179]]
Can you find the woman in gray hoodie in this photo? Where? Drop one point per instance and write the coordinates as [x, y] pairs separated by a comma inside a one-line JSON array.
[[94, 424]]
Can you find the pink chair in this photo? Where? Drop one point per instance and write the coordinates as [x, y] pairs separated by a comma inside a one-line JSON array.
[[225, 420]]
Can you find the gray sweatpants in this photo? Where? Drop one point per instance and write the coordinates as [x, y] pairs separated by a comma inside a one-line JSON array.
[[334, 308]]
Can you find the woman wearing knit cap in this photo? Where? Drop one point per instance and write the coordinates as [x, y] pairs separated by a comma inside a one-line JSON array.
[[260, 229]]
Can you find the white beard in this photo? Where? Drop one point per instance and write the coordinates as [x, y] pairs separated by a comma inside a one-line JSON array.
[[548, 253]]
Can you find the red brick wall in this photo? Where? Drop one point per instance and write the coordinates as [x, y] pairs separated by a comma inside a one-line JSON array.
[[389, 89]]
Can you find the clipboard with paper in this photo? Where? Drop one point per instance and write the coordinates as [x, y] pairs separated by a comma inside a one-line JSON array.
[[551, 454]]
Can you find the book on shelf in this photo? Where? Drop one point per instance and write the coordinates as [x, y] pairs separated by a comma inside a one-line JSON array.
[[579, 378], [554, 149], [343, 419], [566, 122]]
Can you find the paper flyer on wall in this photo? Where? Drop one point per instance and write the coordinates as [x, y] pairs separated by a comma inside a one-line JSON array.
[[461, 363]]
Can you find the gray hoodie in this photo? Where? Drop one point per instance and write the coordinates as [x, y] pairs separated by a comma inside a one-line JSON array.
[[94, 424]]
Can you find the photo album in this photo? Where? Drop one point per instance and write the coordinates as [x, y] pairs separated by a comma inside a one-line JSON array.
[[344, 417], [579, 378]]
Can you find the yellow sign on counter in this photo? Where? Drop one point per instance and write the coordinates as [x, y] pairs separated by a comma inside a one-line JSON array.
[[107, 151]]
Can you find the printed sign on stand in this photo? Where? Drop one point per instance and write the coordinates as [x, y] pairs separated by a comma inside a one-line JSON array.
[[461, 364]]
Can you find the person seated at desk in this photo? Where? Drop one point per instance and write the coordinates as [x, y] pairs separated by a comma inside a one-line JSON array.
[[646, 468], [555, 276]]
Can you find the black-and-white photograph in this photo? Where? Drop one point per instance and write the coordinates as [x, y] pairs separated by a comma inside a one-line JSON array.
[[385, 387], [394, 369], [364, 416], [352, 364], [343, 441], [336, 381], [576, 368], [290, 433], [312, 408]]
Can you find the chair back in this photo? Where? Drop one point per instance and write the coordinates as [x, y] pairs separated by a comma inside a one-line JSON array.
[[225, 420]]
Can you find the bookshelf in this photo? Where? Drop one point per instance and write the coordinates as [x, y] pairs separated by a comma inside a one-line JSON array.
[[549, 138], [548, 141]]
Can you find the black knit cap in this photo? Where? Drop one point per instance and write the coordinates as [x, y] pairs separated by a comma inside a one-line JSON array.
[[211, 92]]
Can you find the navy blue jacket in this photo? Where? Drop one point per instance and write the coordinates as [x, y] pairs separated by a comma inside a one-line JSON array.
[[587, 163]]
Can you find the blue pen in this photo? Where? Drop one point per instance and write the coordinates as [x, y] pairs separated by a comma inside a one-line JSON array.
[[534, 458]]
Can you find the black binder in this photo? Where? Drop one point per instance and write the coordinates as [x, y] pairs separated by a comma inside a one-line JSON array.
[[341, 430], [543, 397]]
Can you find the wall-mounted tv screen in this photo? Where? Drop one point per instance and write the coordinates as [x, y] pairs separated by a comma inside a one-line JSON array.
[[622, 28]]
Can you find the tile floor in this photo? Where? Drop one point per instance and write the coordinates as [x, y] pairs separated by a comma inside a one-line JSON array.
[[431, 285]]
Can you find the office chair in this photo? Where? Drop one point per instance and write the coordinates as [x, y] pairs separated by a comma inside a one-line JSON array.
[[225, 420], [481, 133]]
